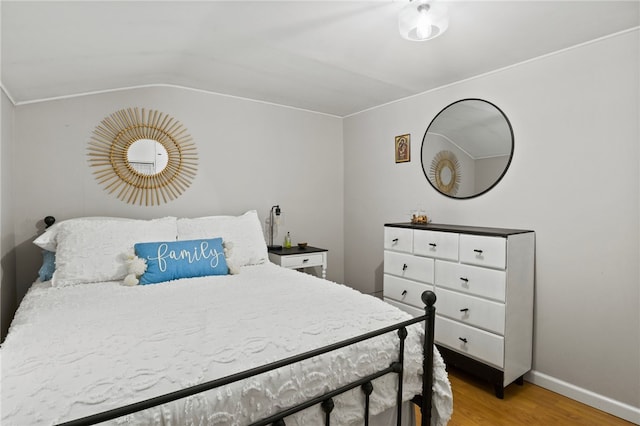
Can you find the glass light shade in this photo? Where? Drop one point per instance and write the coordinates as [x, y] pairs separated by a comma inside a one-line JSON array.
[[422, 20]]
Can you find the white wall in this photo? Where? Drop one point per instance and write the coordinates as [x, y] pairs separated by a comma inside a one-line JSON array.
[[574, 179], [7, 239], [251, 156]]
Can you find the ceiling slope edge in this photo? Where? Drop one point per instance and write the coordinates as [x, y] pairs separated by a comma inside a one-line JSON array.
[[499, 70], [6, 92], [174, 86]]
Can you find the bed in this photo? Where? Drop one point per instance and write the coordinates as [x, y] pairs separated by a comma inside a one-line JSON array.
[[84, 343]]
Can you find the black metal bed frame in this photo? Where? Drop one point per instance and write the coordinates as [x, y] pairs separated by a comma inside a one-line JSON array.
[[326, 400]]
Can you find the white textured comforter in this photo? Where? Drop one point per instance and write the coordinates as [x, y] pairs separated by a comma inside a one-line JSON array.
[[78, 350]]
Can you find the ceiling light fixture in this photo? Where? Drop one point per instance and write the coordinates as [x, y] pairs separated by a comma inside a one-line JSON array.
[[422, 20]]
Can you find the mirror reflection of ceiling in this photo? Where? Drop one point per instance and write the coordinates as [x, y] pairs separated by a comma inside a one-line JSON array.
[[476, 128], [334, 57]]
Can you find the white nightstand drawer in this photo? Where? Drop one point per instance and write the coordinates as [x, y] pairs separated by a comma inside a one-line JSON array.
[[484, 251], [405, 291], [414, 312], [483, 282], [440, 245], [398, 239], [474, 342], [302, 261], [471, 310], [408, 266]]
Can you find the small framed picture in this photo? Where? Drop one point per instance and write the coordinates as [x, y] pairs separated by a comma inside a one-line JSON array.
[[403, 148]]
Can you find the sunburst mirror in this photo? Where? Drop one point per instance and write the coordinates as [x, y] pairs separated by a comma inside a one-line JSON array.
[[144, 156], [445, 172]]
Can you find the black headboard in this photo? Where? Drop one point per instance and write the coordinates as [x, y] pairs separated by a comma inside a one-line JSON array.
[[49, 220]]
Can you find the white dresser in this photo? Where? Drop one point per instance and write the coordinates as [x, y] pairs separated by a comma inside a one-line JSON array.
[[483, 279]]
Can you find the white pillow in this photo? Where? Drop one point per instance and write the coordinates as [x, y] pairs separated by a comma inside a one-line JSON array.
[[47, 240], [243, 232], [94, 250]]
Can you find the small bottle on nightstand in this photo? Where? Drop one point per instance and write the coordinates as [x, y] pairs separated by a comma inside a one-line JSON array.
[[287, 241]]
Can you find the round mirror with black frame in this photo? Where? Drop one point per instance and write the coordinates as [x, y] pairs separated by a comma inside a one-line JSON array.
[[467, 148]]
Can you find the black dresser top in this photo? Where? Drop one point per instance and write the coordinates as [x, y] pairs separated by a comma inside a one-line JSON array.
[[474, 230]]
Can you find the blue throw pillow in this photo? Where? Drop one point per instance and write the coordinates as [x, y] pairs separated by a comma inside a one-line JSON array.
[[48, 265], [173, 260]]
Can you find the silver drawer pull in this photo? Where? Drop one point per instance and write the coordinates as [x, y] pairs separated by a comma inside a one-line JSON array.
[[463, 339], [404, 267]]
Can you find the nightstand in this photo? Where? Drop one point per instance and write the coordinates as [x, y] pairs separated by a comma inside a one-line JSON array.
[[297, 258]]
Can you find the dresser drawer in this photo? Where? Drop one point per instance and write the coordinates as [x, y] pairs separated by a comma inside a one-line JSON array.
[[471, 310], [483, 282], [398, 239], [405, 291], [409, 266], [414, 312], [490, 252], [476, 343], [302, 261], [440, 245]]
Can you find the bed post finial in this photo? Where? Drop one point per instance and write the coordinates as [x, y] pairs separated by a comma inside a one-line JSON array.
[[428, 298], [49, 220]]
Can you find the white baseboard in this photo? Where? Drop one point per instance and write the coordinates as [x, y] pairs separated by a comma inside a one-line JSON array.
[[603, 403]]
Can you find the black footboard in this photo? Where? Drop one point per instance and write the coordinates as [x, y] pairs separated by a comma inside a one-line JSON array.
[[326, 400]]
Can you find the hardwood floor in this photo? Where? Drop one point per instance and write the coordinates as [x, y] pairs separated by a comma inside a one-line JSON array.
[[474, 404]]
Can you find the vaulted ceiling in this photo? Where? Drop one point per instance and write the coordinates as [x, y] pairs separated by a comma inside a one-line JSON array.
[[334, 57]]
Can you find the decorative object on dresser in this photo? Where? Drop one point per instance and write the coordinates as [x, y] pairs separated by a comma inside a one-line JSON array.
[[300, 257], [419, 217], [484, 281], [467, 148], [145, 155]]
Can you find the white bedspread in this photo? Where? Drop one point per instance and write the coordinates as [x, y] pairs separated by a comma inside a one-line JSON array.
[[79, 350]]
